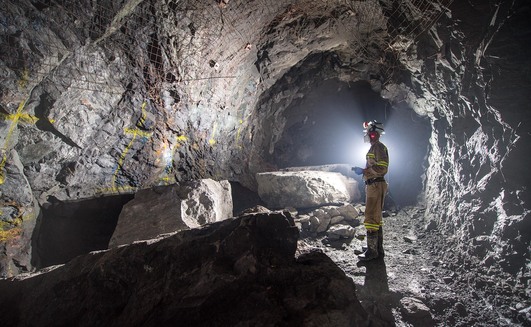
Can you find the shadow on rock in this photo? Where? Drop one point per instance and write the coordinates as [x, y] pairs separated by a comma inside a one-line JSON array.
[[374, 294], [383, 305]]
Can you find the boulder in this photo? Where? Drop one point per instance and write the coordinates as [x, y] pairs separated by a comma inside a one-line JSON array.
[[336, 220], [323, 219], [238, 272], [166, 209], [313, 223], [349, 212], [331, 211], [415, 312], [304, 221], [340, 231], [304, 189]]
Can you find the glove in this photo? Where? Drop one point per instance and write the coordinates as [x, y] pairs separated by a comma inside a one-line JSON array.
[[357, 170]]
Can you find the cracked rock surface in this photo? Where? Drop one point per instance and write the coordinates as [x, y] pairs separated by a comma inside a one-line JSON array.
[[100, 98]]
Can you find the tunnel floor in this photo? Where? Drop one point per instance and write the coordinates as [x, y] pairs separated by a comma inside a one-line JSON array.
[[412, 273]]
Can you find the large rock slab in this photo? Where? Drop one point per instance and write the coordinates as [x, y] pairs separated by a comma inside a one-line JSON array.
[[166, 209], [238, 272], [304, 189]]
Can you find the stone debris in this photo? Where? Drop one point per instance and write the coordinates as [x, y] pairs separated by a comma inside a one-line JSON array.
[[166, 209], [525, 314], [460, 309], [337, 232], [336, 222], [256, 209], [448, 279], [432, 225], [415, 312]]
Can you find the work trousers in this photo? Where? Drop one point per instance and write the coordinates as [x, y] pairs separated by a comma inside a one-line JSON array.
[[375, 194]]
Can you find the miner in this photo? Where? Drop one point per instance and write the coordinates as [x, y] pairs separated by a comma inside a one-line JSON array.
[[375, 189]]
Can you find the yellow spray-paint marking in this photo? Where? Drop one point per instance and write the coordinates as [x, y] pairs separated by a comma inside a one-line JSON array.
[[23, 117], [238, 134], [135, 132], [121, 161], [15, 118], [212, 141], [168, 180], [11, 230], [117, 189], [144, 114], [12, 127], [179, 140]]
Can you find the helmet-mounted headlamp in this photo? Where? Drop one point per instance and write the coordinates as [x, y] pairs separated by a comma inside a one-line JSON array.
[[373, 129]]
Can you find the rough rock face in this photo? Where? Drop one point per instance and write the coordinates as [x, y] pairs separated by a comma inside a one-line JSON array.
[[304, 189], [103, 97], [476, 185], [172, 208], [234, 273], [18, 217]]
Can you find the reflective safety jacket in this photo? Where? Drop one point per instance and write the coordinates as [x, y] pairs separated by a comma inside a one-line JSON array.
[[377, 161]]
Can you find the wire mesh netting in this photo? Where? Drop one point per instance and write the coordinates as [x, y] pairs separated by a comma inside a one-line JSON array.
[[72, 41]]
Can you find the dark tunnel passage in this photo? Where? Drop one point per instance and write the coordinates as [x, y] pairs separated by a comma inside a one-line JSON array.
[[69, 229], [325, 127]]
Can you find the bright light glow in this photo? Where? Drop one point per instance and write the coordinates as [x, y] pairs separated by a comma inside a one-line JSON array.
[[362, 153]]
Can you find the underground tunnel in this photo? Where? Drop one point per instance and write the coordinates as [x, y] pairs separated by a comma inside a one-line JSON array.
[[110, 108]]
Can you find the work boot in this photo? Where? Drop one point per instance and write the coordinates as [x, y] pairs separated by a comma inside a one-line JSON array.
[[372, 247], [380, 243], [381, 252]]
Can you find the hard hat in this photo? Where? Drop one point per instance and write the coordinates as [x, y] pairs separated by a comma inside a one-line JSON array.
[[373, 126]]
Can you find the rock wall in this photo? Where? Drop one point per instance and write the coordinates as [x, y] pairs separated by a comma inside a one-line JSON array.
[[106, 97], [475, 183]]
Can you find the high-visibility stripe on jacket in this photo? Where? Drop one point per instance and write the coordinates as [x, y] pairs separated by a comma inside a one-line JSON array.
[[377, 161]]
